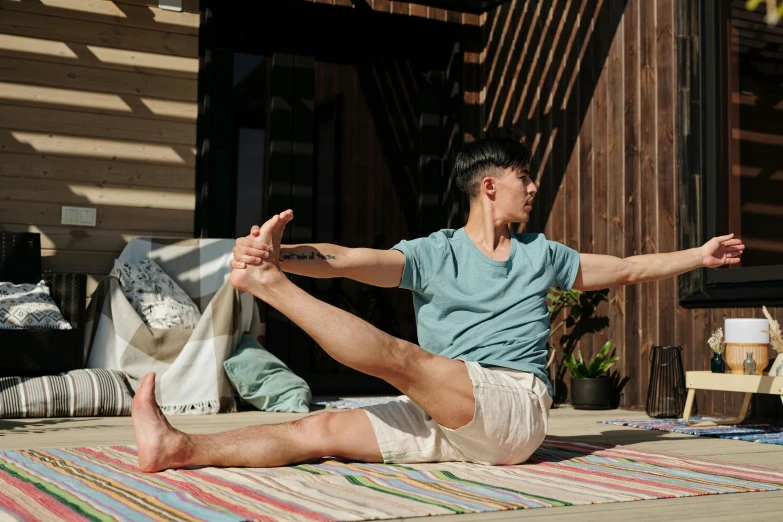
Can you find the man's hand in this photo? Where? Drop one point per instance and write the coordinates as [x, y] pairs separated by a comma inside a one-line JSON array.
[[723, 250], [249, 251]]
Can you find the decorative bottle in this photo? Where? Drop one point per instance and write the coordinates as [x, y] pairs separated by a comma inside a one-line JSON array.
[[749, 364], [716, 363]]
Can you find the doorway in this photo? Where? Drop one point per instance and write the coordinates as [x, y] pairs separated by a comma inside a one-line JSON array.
[[348, 117]]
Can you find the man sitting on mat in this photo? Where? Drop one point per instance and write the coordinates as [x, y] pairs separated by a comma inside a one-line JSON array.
[[476, 388]]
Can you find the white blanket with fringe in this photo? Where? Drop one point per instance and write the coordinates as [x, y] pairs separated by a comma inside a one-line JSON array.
[[188, 363]]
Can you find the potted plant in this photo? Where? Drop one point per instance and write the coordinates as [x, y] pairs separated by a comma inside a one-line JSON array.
[[572, 314], [590, 387]]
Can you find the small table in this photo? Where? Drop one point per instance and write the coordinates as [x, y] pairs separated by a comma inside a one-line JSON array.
[[749, 384]]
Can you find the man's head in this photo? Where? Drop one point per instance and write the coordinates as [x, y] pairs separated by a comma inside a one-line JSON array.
[[497, 171]]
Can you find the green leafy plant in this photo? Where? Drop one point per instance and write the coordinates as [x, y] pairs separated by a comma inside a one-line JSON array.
[[574, 312], [597, 366]]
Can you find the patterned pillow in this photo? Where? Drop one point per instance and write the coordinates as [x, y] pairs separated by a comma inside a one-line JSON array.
[[94, 392], [29, 306], [159, 301]]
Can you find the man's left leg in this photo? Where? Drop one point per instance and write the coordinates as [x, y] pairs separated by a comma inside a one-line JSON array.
[[347, 435]]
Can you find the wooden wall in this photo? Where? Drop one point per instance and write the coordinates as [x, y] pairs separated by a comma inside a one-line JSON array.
[[592, 84], [97, 109], [408, 8]]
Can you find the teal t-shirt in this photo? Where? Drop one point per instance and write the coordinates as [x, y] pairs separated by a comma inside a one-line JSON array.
[[471, 307]]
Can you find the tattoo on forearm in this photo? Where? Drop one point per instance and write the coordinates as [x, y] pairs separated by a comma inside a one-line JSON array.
[[310, 256]]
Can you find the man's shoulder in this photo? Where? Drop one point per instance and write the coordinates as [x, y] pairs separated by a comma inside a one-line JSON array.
[[539, 239], [439, 237], [529, 238], [433, 242]]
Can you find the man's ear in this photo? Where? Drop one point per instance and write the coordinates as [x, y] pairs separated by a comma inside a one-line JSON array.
[[488, 183]]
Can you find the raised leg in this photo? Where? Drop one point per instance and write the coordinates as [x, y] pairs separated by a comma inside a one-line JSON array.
[[439, 385], [347, 435]]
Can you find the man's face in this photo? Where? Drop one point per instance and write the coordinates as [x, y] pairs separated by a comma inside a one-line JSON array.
[[515, 191]]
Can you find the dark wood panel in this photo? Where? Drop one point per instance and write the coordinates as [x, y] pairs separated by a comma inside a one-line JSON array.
[[586, 97], [634, 395], [601, 102], [667, 198], [615, 233], [649, 181], [612, 164]]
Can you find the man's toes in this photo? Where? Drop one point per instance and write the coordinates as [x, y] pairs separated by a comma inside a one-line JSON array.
[[147, 383]]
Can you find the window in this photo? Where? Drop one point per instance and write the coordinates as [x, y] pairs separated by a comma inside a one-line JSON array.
[[740, 125]]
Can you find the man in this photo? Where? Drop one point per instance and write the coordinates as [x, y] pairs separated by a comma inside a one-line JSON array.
[[476, 390]]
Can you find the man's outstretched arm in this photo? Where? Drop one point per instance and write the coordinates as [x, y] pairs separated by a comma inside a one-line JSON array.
[[600, 271], [323, 260]]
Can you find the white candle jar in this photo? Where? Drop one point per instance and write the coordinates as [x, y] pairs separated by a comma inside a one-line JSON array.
[[743, 336]]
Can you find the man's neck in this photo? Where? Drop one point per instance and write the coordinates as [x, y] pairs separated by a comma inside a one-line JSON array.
[[488, 234]]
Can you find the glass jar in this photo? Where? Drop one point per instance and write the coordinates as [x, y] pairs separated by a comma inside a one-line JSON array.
[[716, 363], [749, 364]]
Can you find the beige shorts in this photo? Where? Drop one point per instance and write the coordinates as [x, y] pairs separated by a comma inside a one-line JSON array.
[[509, 423]]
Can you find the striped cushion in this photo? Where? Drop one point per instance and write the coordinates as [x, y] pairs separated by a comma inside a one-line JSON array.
[[93, 392]]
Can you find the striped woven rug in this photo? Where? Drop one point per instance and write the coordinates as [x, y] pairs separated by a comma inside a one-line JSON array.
[[104, 484]]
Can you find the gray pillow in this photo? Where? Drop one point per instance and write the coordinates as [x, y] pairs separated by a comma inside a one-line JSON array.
[[94, 392]]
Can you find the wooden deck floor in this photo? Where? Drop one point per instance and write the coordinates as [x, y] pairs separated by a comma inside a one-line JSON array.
[[565, 422]]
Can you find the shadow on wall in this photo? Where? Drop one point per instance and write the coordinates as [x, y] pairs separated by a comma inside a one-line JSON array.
[[542, 65], [97, 109]]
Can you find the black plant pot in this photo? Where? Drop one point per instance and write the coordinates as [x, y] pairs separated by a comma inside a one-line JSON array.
[[591, 394]]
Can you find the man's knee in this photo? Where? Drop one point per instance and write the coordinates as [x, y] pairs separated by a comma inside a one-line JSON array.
[[346, 434], [406, 363]]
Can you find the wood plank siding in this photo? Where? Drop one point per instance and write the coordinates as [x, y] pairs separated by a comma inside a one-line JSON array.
[[98, 108], [98, 105], [592, 84]]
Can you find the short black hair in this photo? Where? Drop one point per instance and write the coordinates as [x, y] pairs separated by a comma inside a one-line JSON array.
[[476, 157]]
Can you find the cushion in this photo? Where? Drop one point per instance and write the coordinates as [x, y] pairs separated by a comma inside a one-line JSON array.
[[265, 381], [155, 296], [29, 306], [79, 393]]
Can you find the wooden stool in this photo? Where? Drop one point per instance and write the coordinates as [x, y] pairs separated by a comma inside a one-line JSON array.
[[749, 384]]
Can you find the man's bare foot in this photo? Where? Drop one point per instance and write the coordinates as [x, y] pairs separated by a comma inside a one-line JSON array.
[[160, 446], [254, 278]]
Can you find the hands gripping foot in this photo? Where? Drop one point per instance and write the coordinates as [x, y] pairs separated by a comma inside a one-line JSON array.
[[254, 277]]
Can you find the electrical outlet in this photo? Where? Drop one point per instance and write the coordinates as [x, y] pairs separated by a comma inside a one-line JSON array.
[[78, 216]]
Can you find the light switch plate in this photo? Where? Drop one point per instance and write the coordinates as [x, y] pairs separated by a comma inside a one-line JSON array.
[[78, 216], [170, 5]]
